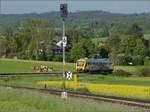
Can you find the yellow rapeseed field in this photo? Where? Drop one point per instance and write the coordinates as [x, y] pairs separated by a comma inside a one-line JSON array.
[[139, 92]]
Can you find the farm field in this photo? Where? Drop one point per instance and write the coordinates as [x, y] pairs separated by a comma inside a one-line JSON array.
[[14, 65], [126, 91], [97, 84], [76, 56], [17, 66], [37, 102], [103, 39], [147, 36], [103, 84]]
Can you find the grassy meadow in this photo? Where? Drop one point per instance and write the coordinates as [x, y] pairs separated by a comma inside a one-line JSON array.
[[17, 66], [126, 91], [10, 65], [14, 65], [96, 40], [147, 36], [26, 101], [103, 39]]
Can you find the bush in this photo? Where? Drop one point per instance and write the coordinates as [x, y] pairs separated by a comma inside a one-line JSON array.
[[138, 60], [57, 58], [123, 60], [144, 72], [147, 61], [121, 73]]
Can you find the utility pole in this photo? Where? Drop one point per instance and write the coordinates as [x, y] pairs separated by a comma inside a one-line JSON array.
[[63, 15]]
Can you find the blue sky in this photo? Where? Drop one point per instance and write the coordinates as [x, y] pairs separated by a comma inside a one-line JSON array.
[[40, 6]]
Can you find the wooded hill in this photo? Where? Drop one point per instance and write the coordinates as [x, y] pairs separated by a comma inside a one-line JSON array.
[[91, 20]]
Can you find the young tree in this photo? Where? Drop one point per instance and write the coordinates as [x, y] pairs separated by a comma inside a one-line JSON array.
[[113, 43], [135, 31], [102, 50], [9, 43], [2, 46], [84, 48], [73, 36], [30, 36], [140, 48], [127, 45]]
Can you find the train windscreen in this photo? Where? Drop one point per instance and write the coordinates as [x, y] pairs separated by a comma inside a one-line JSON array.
[[80, 63]]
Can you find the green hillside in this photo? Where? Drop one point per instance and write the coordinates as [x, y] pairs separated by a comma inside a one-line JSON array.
[[81, 18]]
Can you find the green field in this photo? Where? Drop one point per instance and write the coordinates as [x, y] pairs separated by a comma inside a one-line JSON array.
[[96, 40], [134, 70], [147, 36], [102, 39], [27, 101], [12, 65], [32, 80]]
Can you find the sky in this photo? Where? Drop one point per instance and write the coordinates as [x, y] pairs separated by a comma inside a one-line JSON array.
[[40, 6]]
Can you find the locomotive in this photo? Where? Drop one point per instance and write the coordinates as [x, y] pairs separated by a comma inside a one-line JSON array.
[[102, 65]]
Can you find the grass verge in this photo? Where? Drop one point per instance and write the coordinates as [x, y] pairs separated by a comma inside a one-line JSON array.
[[26, 101]]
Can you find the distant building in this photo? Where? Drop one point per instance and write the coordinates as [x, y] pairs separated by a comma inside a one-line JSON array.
[[56, 50]]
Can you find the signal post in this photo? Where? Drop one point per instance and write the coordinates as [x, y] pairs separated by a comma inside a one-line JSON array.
[[63, 15]]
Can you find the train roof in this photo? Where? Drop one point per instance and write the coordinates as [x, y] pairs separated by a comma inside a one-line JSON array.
[[102, 60]]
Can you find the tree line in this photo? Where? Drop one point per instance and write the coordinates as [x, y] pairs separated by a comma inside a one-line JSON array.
[[36, 39]]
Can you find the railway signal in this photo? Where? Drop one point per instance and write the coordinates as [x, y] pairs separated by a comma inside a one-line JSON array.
[[63, 15], [63, 10]]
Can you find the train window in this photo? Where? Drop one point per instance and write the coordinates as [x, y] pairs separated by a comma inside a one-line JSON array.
[[80, 63]]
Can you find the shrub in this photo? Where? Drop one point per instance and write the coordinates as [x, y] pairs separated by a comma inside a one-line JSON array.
[[123, 60], [144, 72], [138, 60], [121, 73], [147, 61], [57, 58]]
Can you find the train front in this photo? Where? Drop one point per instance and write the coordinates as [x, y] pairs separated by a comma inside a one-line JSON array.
[[81, 65]]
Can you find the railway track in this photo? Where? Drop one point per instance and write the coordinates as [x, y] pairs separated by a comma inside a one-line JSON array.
[[35, 73], [30, 73], [125, 101]]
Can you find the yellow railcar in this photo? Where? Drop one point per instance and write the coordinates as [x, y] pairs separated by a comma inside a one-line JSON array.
[[81, 65], [94, 65]]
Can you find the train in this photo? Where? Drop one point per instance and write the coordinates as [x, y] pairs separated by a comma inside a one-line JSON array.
[[102, 65]]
